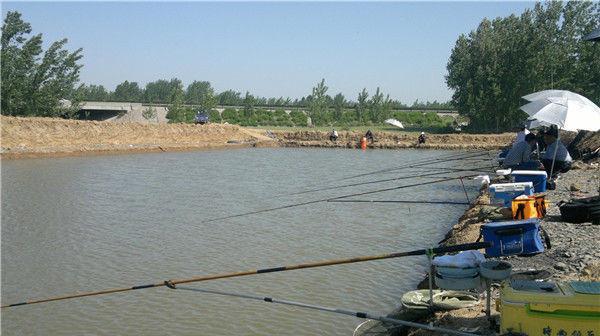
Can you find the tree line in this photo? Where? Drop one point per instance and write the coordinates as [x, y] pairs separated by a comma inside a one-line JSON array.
[[493, 66], [202, 93]]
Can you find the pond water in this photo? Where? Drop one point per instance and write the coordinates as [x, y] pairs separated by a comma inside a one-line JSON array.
[[89, 223]]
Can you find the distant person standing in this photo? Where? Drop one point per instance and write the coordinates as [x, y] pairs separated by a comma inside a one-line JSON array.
[[422, 138]]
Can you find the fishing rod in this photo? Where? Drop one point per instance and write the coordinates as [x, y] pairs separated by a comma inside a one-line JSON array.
[[358, 314], [431, 161], [401, 187], [327, 199], [399, 201], [478, 169], [436, 250]]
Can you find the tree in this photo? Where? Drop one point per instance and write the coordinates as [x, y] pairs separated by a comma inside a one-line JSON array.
[[339, 101], [492, 67], [249, 103], [376, 106], [92, 93], [202, 94], [230, 98], [161, 91], [318, 104], [34, 81], [178, 112], [127, 92], [361, 105], [149, 113]]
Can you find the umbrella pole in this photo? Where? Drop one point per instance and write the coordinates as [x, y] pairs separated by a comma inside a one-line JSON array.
[[554, 155]]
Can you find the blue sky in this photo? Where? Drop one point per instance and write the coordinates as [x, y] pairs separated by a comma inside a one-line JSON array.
[[270, 49]]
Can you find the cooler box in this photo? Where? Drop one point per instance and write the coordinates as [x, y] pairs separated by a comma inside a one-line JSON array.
[[524, 208], [518, 237], [546, 308], [537, 177], [504, 193]]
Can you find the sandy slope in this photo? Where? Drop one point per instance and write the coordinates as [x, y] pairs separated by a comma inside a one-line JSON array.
[[43, 136]]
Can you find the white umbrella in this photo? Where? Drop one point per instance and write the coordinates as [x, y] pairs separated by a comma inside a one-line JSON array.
[[567, 114], [540, 95], [568, 111], [394, 122]]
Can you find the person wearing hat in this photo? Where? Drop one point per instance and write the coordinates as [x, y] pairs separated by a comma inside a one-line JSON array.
[[562, 160], [422, 138], [519, 156], [523, 131]]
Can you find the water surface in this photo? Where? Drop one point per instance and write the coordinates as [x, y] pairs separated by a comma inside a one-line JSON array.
[[90, 223]]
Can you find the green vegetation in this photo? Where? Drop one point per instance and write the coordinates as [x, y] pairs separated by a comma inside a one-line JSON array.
[[489, 70], [34, 81], [506, 58]]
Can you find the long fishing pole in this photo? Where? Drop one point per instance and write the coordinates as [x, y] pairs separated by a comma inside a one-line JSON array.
[[358, 314], [477, 169], [413, 165], [399, 201], [436, 250], [400, 187], [327, 199]]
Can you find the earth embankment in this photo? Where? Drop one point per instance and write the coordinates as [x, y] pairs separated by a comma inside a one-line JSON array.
[[391, 140], [33, 137]]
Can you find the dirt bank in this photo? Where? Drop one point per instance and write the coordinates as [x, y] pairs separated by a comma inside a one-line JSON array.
[[394, 140], [34, 137]]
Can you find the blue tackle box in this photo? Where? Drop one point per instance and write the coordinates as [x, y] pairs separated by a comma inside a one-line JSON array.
[[518, 237], [504, 193], [537, 177]]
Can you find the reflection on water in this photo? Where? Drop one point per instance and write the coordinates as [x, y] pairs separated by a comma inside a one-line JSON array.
[[89, 223]]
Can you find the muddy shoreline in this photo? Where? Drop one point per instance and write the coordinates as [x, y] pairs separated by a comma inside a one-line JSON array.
[[572, 256]]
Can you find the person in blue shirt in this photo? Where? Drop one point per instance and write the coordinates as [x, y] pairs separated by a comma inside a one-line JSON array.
[[562, 160], [519, 156]]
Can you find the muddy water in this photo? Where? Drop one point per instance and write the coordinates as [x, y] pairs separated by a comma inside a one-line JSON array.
[[89, 223]]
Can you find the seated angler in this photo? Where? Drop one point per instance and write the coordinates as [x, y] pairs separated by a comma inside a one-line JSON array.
[[519, 156]]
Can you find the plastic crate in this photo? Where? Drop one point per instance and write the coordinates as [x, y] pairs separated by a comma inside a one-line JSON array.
[[537, 177], [504, 193], [546, 308]]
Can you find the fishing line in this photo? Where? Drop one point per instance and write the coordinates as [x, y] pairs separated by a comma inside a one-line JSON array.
[[436, 250], [478, 169], [358, 314], [401, 187], [428, 162], [327, 199]]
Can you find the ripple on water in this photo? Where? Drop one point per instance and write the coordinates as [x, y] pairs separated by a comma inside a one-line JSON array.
[[88, 223]]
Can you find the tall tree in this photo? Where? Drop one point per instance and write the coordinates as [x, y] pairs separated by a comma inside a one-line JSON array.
[[361, 105], [161, 91], [318, 103], [249, 103], [339, 101], [34, 81], [202, 94], [127, 92], [492, 67], [92, 93], [230, 98]]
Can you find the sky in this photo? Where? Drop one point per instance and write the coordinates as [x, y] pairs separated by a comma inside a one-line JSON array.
[[271, 49]]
